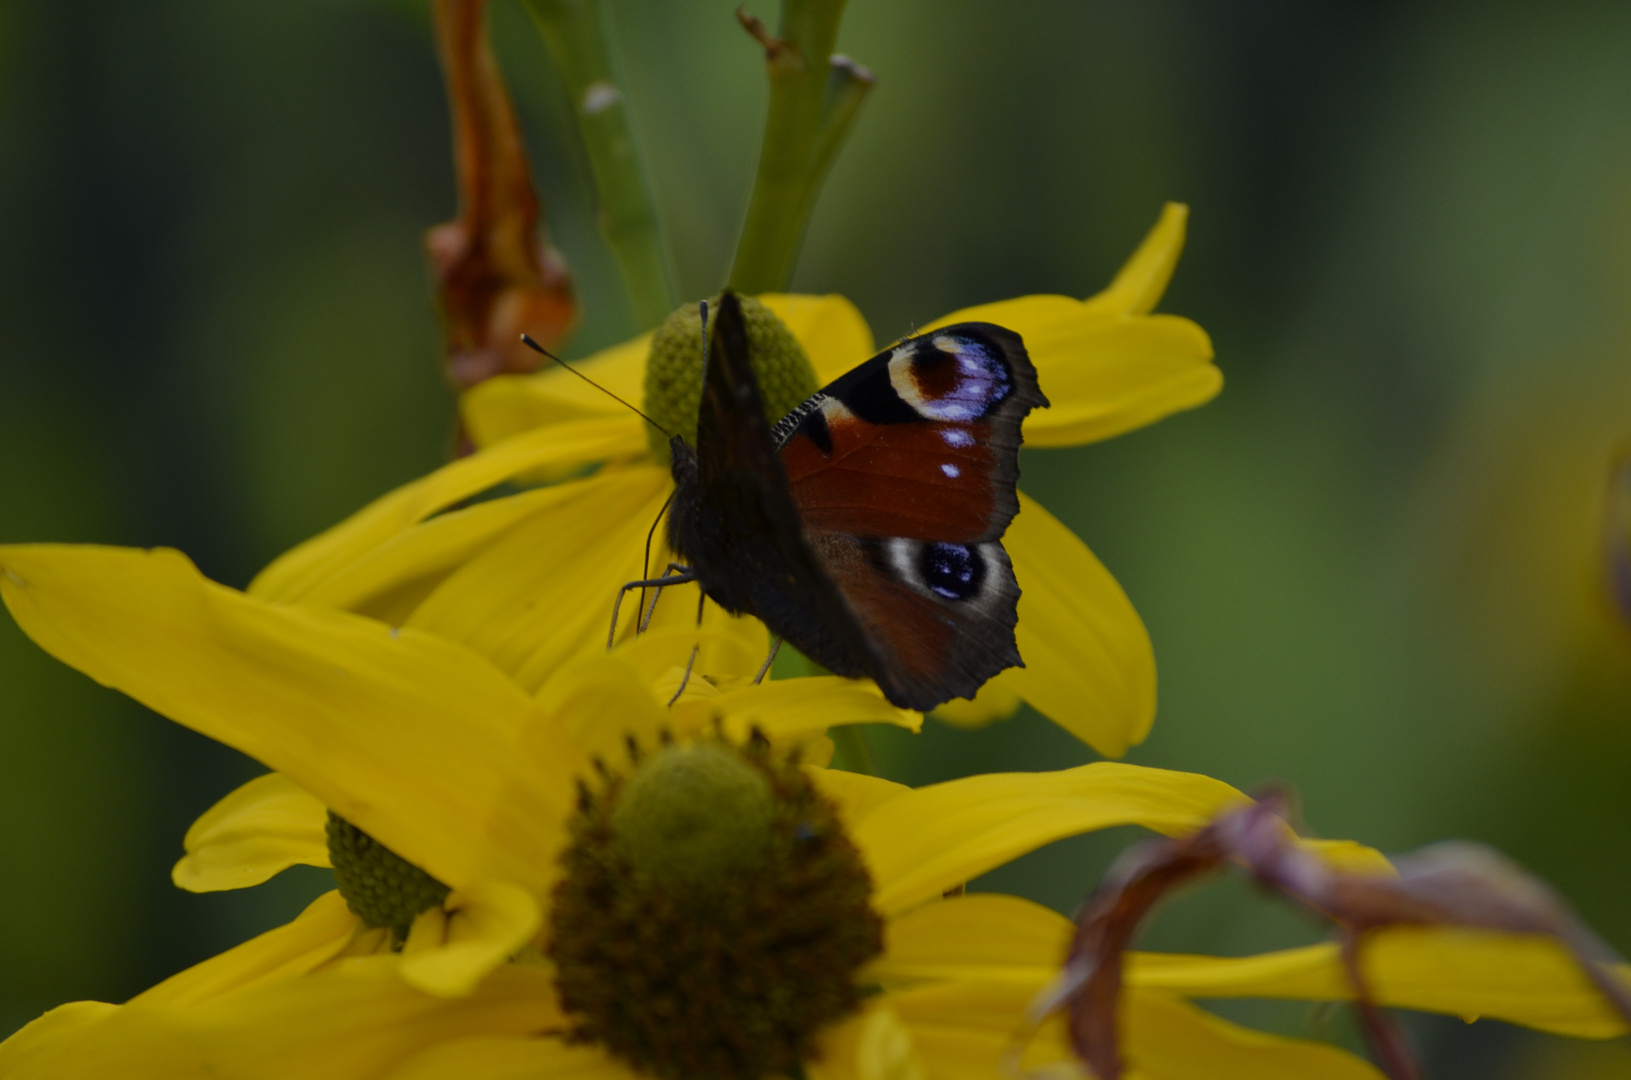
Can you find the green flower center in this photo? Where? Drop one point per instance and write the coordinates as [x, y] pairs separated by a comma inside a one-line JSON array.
[[713, 915], [380, 887], [675, 364]]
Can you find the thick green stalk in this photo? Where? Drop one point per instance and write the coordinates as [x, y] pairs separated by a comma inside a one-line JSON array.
[[575, 33], [814, 98]]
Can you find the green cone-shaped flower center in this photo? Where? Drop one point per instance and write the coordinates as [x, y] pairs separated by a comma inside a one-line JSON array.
[[694, 816], [675, 365], [380, 887], [713, 915]]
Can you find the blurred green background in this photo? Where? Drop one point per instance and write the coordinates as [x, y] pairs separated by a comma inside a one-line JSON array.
[[1371, 569]]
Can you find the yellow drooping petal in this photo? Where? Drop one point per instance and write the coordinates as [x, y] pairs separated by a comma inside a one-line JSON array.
[[388, 581], [409, 737], [298, 571], [834, 335], [542, 594], [937, 837], [539, 1058], [27, 1051], [316, 936], [1168, 1039], [857, 795], [356, 1018], [1105, 363], [986, 937], [500, 408], [1089, 665], [1521, 979], [972, 1029], [453, 946], [261, 829]]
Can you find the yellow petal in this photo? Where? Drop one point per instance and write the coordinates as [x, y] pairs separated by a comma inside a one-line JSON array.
[[543, 593], [1105, 363], [23, 1053], [1520, 979], [1104, 380], [874, 1045], [388, 581], [411, 738], [601, 702], [261, 829], [969, 1029], [511, 404], [355, 1019], [562, 446], [541, 1058], [940, 836], [834, 335], [856, 795], [972, 1030], [985, 937], [1173, 1040], [727, 646], [1142, 279], [788, 709], [450, 948], [996, 700], [316, 936], [1089, 665]]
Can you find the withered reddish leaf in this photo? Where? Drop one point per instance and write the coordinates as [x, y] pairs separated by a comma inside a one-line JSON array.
[[496, 276], [1450, 885]]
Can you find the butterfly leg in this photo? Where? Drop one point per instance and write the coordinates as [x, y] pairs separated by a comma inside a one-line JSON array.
[[659, 582], [692, 662], [775, 647], [674, 574]]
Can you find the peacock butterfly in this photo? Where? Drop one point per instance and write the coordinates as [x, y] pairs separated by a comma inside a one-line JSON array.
[[865, 528]]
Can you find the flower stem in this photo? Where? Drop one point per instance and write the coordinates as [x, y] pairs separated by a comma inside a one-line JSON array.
[[814, 99], [575, 33]]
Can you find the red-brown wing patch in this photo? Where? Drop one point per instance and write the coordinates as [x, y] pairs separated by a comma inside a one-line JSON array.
[[914, 633], [922, 481]]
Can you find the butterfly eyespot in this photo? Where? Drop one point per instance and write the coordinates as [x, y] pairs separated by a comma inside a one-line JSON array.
[[949, 378], [955, 571]]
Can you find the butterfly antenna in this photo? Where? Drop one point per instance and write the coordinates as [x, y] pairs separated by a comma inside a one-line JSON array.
[[535, 347]]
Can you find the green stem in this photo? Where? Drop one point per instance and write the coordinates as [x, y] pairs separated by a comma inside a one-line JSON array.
[[854, 753], [814, 99], [575, 33]]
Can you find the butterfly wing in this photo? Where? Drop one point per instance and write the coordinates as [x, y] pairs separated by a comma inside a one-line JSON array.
[[734, 521], [865, 527], [903, 474]]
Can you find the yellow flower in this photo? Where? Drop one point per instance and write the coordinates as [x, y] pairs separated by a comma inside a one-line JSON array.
[[433, 752], [527, 580]]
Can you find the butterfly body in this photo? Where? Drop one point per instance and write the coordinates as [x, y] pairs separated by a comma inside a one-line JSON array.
[[865, 526]]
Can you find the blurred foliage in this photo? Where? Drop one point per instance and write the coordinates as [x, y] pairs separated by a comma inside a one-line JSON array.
[[1370, 569]]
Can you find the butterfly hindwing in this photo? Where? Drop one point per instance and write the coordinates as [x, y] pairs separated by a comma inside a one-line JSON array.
[[865, 527]]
